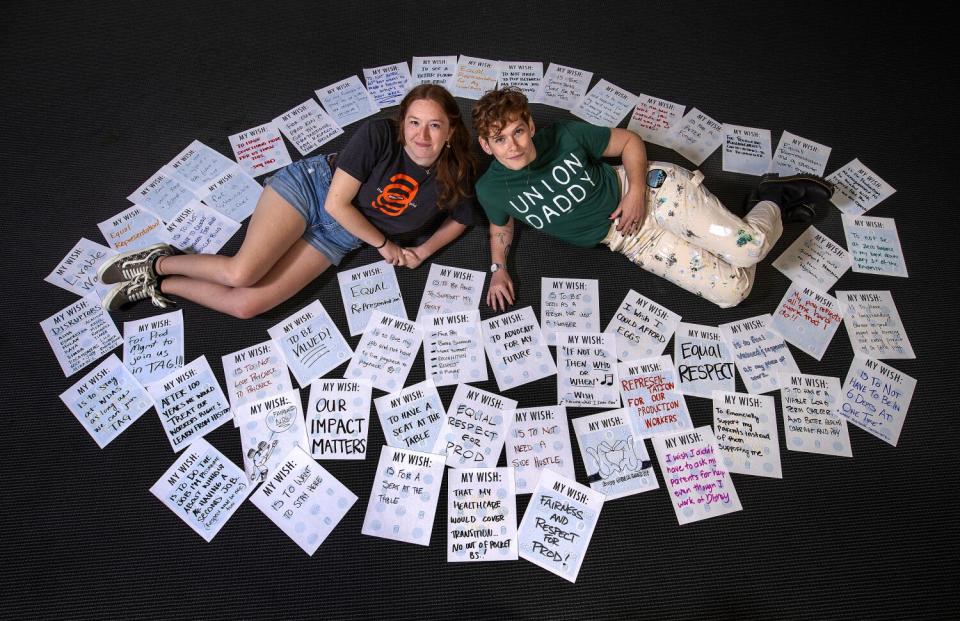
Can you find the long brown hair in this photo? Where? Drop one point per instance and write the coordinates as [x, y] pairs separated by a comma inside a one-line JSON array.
[[456, 166]]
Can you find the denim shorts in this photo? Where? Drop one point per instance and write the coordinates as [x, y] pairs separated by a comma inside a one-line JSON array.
[[304, 184]]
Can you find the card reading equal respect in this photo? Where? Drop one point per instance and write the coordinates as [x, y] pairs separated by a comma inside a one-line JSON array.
[[810, 420], [386, 352], [648, 387], [558, 524], [587, 370], [411, 418], [704, 362], [310, 343], [569, 305], [203, 488], [153, 347], [450, 290], [876, 397], [367, 289], [539, 439], [746, 430], [403, 501], [80, 334], [338, 416], [873, 324], [304, 500], [474, 428], [269, 429], [190, 403], [760, 355], [481, 515], [453, 348], [815, 259], [807, 318], [615, 458], [516, 349], [255, 372], [77, 272], [642, 327]]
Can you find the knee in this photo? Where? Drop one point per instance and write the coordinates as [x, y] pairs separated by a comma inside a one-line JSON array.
[[245, 304], [732, 292], [242, 274]]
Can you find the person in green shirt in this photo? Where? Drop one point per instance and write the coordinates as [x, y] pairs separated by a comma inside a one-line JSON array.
[[656, 214]]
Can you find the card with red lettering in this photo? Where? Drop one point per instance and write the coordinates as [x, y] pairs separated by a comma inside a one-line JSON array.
[[653, 118], [132, 229], [811, 422], [338, 416], [876, 397], [614, 456], [539, 439], [746, 430], [474, 428], [411, 418], [557, 527], [807, 318], [704, 361], [254, 373], [700, 486], [403, 501], [481, 515], [269, 429], [649, 390], [260, 149]]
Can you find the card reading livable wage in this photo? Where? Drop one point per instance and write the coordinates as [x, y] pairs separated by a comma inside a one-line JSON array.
[[811, 422], [77, 272]]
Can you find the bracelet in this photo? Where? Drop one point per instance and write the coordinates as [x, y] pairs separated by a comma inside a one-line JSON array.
[[385, 240]]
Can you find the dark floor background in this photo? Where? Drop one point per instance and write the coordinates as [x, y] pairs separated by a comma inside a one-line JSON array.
[[98, 95]]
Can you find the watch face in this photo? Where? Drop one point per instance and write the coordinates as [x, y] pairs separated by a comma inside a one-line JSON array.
[[494, 267]]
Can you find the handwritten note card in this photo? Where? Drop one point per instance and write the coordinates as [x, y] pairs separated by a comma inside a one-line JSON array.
[[799, 155], [304, 500], [260, 149], [807, 318], [132, 228], [704, 362], [649, 390], [190, 403], [523, 76], [198, 165], [481, 515], [874, 245], [700, 487], [746, 432], [77, 272], [338, 416], [386, 352], [269, 429], [810, 420], [642, 327], [474, 77], [153, 347], [815, 259], [696, 136], [198, 229], [388, 84], [80, 334], [347, 101], [873, 324], [369, 288], [746, 149], [234, 194], [760, 355], [653, 119], [587, 370], [516, 349], [615, 458], [310, 343], [450, 289], [307, 126], [606, 104], [474, 428], [558, 525], [433, 70], [858, 189], [163, 194], [453, 349], [569, 305], [411, 418], [562, 87], [107, 400], [255, 372], [403, 501], [876, 397], [203, 488], [539, 439]]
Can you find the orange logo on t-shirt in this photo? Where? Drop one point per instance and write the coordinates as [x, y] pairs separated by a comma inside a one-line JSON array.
[[394, 199]]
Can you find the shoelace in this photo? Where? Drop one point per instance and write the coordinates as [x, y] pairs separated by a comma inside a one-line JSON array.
[[133, 267], [142, 286]]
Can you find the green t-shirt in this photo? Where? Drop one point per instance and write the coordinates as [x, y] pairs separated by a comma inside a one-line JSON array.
[[567, 192]]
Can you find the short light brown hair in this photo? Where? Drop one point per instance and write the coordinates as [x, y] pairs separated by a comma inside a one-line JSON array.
[[497, 109]]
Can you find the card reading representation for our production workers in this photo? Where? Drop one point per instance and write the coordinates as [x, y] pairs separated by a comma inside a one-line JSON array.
[[587, 370], [746, 430], [474, 77], [269, 428], [307, 126], [614, 456], [873, 324], [403, 501], [538, 439], [760, 355], [310, 343], [411, 418], [153, 347], [557, 527], [453, 348], [386, 352], [260, 149], [858, 189], [367, 289], [132, 229], [347, 101], [255, 372], [481, 515], [562, 87], [198, 165], [338, 417], [80, 333], [521, 75], [606, 104], [388, 83], [799, 155], [811, 422], [163, 194], [77, 272], [807, 318], [874, 245], [696, 136], [516, 349], [746, 149], [107, 400], [642, 327], [199, 229], [433, 70], [704, 361], [648, 387], [876, 397], [569, 305], [304, 500], [234, 194], [190, 403], [814, 258], [474, 428], [653, 119], [449, 290]]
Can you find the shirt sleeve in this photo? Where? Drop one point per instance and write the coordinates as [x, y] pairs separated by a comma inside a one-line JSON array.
[[494, 214], [365, 148], [465, 211], [593, 137]]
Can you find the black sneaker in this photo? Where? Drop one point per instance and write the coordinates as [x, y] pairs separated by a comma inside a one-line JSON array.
[[796, 195], [128, 265], [141, 287]]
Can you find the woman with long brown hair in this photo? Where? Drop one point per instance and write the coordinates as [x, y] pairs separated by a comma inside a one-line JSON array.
[[393, 179]]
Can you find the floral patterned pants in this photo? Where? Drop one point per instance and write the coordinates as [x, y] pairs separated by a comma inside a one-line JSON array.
[[692, 240]]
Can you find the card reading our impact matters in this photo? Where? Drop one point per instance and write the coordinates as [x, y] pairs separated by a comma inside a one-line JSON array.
[[403, 501], [310, 343], [653, 118], [539, 439], [562, 87], [347, 101], [704, 362], [80, 334], [153, 347], [615, 458], [746, 432], [203, 488], [481, 515], [605, 105], [649, 390], [474, 428], [858, 189], [304, 500], [386, 352], [412, 418], [814, 258], [876, 397], [255, 372], [807, 318], [77, 272], [642, 327], [450, 290], [367, 289], [190, 403], [873, 324], [569, 305], [810, 420], [516, 349], [269, 429], [558, 524], [453, 348], [874, 245], [587, 370], [338, 416], [700, 487], [760, 355], [107, 400]]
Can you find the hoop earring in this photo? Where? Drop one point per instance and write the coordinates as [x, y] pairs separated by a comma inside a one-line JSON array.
[[448, 144]]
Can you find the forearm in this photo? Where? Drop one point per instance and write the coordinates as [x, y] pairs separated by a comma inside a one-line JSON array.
[[501, 240], [448, 231], [634, 160], [351, 219]]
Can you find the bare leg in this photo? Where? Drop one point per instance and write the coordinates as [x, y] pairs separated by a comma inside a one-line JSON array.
[[274, 227], [291, 273]]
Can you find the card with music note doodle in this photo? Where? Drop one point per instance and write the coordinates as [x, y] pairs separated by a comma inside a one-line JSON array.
[[587, 370]]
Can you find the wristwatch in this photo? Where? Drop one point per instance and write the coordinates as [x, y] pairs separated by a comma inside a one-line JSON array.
[[496, 266]]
